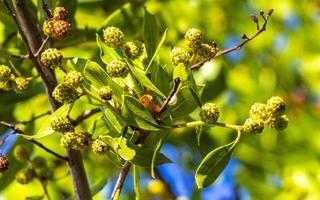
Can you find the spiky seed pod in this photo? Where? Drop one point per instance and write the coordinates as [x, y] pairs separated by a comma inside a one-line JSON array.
[[60, 13], [47, 27], [193, 38], [73, 140], [5, 85], [279, 123], [180, 55], [253, 126], [73, 79], [133, 49], [117, 68], [38, 162], [5, 73], [65, 94], [21, 153], [259, 111], [205, 52], [52, 58], [4, 163], [24, 176], [209, 113], [61, 124], [99, 147], [20, 83], [113, 36], [60, 30], [276, 105], [105, 92]]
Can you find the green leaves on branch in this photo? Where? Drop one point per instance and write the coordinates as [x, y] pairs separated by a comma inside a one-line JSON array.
[[137, 115], [214, 163], [136, 155]]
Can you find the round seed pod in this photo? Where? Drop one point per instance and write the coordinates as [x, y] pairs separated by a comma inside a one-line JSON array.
[[117, 68], [61, 29], [73, 79], [73, 140], [133, 49], [209, 113], [52, 58], [99, 147], [21, 153], [24, 176], [5, 73], [105, 92], [180, 55], [61, 124], [65, 94], [276, 105], [20, 83], [4, 163], [60, 13], [113, 36], [253, 126], [193, 38]]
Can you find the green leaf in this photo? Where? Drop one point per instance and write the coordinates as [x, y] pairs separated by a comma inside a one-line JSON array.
[[95, 74], [107, 54], [116, 14], [135, 154], [180, 72], [157, 49], [144, 80], [95, 189], [136, 181], [160, 78], [156, 151], [150, 33], [111, 120], [214, 163], [185, 103], [35, 197], [198, 134], [137, 115], [45, 129]]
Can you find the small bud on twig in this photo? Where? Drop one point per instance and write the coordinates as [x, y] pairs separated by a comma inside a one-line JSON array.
[[270, 12], [244, 36], [261, 12], [254, 18]]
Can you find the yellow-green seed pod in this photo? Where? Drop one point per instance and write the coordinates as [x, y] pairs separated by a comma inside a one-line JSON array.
[[279, 123], [73, 79], [38, 162], [133, 49], [209, 113], [193, 38], [21, 153], [47, 27], [52, 58], [5, 85], [180, 55], [99, 147], [24, 176], [253, 126], [259, 111], [113, 36], [4, 163], [117, 68], [65, 94], [276, 105], [105, 92], [73, 140], [61, 124], [204, 53], [5, 73], [20, 83], [60, 30], [60, 13]]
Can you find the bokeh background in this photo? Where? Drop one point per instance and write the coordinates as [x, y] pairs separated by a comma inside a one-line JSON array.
[[284, 61]]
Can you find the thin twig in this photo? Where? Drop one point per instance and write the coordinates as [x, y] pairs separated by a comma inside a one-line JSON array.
[[122, 177], [33, 118], [45, 190], [46, 9], [17, 130], [171, 94], [239, 46], [22, 57], [42, 46], [83, 116], [6, 41]]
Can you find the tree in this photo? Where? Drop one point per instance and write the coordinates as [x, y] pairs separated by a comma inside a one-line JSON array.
[[132, 103]]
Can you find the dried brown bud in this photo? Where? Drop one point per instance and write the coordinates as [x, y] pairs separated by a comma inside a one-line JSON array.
[[270, 12], [4, 163], [254, 18], [244, 36], [261, 12]]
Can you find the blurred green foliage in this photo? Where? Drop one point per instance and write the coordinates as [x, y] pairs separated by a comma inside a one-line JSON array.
[[282, 61]]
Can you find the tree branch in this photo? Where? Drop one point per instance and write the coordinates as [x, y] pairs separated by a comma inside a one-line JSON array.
[[17, 130], [33, 118], [30, 35], [171, 94], [245, 40], [85, 115]]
